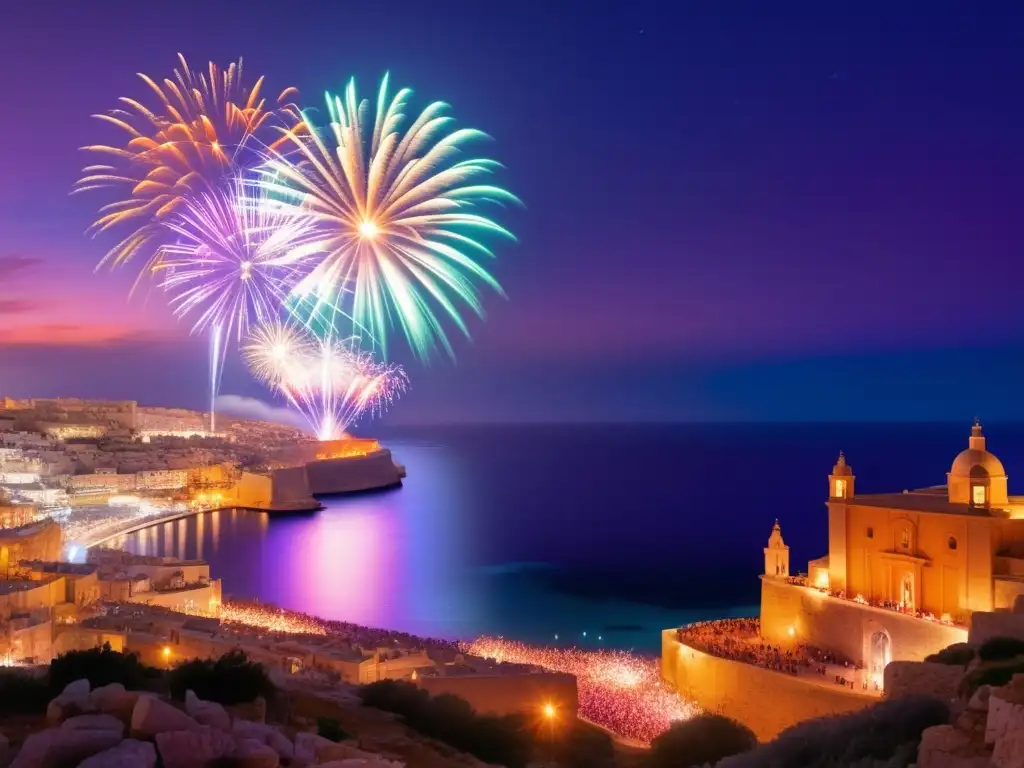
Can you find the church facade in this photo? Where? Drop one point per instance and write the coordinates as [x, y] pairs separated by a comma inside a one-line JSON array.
[[904, 571]]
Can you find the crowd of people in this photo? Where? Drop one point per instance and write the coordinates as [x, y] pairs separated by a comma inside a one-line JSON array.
[[740, 640]]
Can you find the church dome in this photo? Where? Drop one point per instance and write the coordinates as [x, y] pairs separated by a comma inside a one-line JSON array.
[[976, 461]]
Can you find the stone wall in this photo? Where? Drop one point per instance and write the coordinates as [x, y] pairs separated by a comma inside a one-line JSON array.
[[845, 626], [767, 702], [926, 678], [508, 694], [358, 473], [988, 625]]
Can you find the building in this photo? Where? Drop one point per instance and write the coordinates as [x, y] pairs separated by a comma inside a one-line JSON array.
[[904, 571]]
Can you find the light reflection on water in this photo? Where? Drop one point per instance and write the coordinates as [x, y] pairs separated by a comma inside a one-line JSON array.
[[393, 559]]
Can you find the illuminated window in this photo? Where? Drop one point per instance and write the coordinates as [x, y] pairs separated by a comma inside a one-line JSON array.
[[978, 494], [840, 489], [952, 542], [871, 533], [905, 540]]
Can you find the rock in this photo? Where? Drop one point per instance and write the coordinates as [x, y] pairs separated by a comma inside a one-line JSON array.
[[281, 744], [943, 746], [311, 747], [152, 716], [972, 722], [255, 710], [63, 746], [207, 712], [114, 700], [73, 700], [360, 762], [250, 753], [979, 701], [1009, 750], [1004, 714], [247, 729], [192, 747], [94, 723], [130, 753]]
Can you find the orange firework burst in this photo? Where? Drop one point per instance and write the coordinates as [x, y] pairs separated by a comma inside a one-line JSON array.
[[617, 690], [199, 130]]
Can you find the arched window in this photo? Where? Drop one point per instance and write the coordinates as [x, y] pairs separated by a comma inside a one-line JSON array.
[[840, 489], [905, 539], [978, 495], [952, 542], [871, 533]]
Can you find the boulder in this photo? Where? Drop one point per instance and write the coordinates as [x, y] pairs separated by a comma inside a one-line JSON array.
[[281, 744], [979, 701], [130, 753], [94, 723], [73, 700], [265, 734], [63, 746], [1009, 750], [1005, 714], [255, 710], [250, 753], [192, 747], [207, 712], [114, 700], [313, 748], [362, 762], [943, 746], [152, 716]]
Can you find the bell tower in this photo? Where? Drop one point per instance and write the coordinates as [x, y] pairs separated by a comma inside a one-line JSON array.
[[776, 554], [840, 482]]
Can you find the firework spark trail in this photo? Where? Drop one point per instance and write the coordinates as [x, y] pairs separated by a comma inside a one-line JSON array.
[[330, 381], [202, 128], [617, 690], [402, 235], [236, 257]]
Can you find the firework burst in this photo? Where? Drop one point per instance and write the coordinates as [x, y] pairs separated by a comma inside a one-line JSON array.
[[403, 238], [199, 130], [236, 257], [330, 381]]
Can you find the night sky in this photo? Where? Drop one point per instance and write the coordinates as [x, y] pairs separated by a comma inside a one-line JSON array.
[[733, 210]]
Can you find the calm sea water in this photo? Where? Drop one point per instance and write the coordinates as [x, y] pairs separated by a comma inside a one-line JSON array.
[[601, 535]]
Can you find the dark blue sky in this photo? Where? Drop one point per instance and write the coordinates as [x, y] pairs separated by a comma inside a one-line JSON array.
[[732, 210]]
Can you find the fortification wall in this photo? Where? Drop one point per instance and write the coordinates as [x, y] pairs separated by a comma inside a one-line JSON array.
[[988, 625], [844, 626], [903, 678], [509, 694], [356, 473], [767, 702]]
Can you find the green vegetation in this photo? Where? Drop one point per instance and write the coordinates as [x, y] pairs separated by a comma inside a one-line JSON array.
[[994, 673], [22, 693], [888, 732], [101, 666], [1001, 648], [231, 679], [956, 655], [700, 740], [331, 729], [583, 746], [502, 740]]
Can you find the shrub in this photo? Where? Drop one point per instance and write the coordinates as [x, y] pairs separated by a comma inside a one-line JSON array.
[[889, 731], [330, 728], [956, 655], [22, 693], [584, 746], [450, 719], [1001, 648], [702, 739], [101, 666], [231, 679], [995, 674]]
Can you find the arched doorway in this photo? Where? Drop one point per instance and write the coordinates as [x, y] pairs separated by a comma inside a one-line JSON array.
[[907, 592], [880, 654]]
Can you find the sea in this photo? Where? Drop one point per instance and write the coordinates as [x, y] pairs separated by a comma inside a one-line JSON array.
[[589, 535]]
